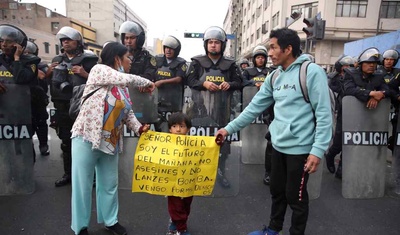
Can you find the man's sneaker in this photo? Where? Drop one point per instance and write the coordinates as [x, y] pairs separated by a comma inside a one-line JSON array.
[[266, 178], [264, 231], [84, 232], [117, 229]]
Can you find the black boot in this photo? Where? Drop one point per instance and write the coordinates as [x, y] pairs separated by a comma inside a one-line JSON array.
[[222, 180], [339, 170], [64, 180], [44, 149], [330, 163]]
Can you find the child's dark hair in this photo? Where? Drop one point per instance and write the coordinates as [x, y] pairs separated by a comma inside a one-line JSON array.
[[178, 118]]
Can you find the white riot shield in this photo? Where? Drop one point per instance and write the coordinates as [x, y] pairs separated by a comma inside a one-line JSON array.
[[16, 150], [396, 161], [253, 136], [365, 136]]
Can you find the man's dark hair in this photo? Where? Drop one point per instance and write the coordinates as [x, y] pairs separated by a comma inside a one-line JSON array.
[[286, 37], [178, 118], [111, 50]]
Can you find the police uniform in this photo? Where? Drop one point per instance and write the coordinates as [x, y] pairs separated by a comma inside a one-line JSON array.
[[63, 81], [253, 75], [213, 109], [170, 96], [143, 64]]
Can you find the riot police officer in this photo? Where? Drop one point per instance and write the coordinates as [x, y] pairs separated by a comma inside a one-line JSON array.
[[212, 79], [133, 37], [243, 64], [15, 66], [255, 76], [364, 82], [73, 67], [40, 101], [170, 76], [391, 75], [335, 81]]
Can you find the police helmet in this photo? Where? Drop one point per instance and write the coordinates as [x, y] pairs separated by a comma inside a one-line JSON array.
[[32, 48], [71, 33], [391, 54], [172, 42], [133, 28], [11, 32], [260, 50], [215, 32], [343, 60], [370, 55], [244, 61]]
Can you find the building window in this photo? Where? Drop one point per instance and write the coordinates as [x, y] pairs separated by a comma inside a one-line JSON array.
[[245, 12], [248, 24], [90, 15], [90, 6], [46, 47], [351, 8], [57, 49], [247, 42], [308, 10], [390, 9], [252, 18], [266, 4], [252, 38], [55, 26], [275, 20], [265, 27], [258, 33]]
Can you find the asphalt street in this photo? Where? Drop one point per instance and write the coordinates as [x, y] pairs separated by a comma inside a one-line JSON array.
[[47, 210]]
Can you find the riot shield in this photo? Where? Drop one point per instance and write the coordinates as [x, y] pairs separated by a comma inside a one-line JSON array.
[[314, 182], [396, 161], [145, 108], [365, 136], [253, 136], [170, 98], [144, 105], [16, 154], [210, 111]]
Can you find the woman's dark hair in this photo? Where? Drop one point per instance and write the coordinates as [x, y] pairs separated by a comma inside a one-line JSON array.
[[178, 118], [286, 37], [111, 50]]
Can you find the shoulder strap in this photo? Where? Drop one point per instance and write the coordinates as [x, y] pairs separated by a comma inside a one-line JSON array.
[[90, 94], [303, 80], [274, 76]]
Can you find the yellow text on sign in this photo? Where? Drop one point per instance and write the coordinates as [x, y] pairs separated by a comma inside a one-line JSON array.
[[175, 165]]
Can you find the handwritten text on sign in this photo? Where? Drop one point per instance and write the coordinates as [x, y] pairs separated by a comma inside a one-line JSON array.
[[175, 165]]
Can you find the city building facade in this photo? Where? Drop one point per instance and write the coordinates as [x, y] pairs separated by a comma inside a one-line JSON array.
[[345, 21]]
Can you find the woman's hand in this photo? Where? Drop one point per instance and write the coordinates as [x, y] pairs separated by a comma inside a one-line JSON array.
[[150, 88]]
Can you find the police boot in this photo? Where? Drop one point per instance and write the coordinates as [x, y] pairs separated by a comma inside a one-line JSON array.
[[66, 178], [222, 180], [339, 170], [44, 149], [330, 163]]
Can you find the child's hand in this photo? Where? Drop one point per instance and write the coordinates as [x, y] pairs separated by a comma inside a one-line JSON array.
[[144, 128]]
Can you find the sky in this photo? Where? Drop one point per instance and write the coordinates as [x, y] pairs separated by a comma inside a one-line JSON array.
[[166, 17]]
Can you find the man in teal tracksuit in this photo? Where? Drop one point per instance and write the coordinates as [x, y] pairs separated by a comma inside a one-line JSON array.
[[300, 131]]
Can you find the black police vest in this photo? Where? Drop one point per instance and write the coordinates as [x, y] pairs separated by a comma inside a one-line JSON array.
[[65, 74], [170, 96], [138, 65], [6, 76], [257, 76], [374, 81]]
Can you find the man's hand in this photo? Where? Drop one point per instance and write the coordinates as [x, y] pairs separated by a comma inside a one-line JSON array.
[[159, 83], [3, 88], [41, 75], [220, 136], [378, 95], [312, 163], [18, 51], [77, 69], [211, 86], [224, 86], [372, 103]]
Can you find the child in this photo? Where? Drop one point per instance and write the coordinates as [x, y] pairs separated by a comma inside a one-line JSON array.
[[179, 208]]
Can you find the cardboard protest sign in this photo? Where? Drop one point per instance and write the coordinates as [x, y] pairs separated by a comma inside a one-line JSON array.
[[175, 165]]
